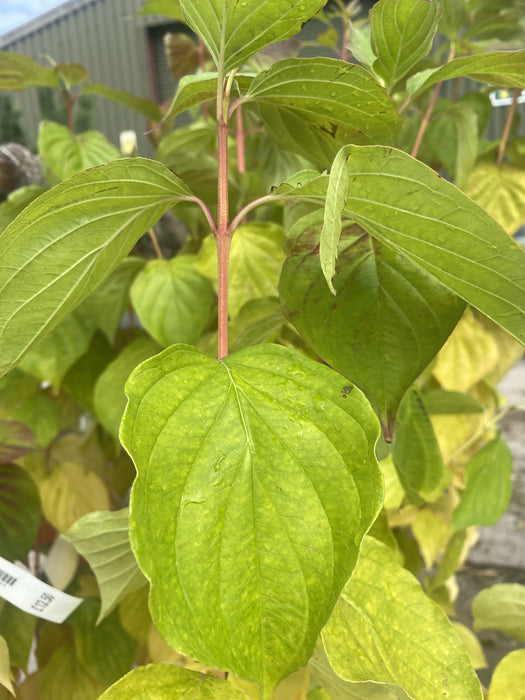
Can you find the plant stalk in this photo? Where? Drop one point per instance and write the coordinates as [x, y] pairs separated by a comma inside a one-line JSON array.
[[222, 235], [508, 124], [155, 243], [426, 120], [239, 137]]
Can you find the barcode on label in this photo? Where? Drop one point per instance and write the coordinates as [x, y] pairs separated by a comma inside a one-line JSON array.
[[6, 579]]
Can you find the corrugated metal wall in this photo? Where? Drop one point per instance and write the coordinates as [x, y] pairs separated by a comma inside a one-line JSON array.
[[106, 38]]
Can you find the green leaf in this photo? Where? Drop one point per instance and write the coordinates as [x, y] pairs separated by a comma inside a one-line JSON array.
[[256, 257], [19, 512], [416, 453], [41, 415], [103, 647], [441, 402], [18, 630], [72, 73], [508, 678], [102, 539], [18, 72], [384, 628], [5, 671], [16, 202], [146, 107], [488, 487], [160, 681], [453, 138], [275, 485], [52, 358], [472, 645], [109, 399], [500, 189], [339, 689], [196, 139], [409, 207], [64, 678], [168, 8], [227, 26], [69, 240], [259, 321], [402, 34], [192, 90], [360, 45], [500, 68], [16, 440], [67, 153], [172, 300], [107, 304], [313, 106], [501, 607], [408, 314]]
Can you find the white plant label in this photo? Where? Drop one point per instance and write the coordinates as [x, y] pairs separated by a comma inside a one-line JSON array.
[[28, 593]]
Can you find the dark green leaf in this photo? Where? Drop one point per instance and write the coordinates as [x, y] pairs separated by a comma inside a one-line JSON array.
[[402, 34], [66, 153], [313, 106], [488, 487], [416, 453], [172, 300], [260, 522], [18, 629], [69, 240], [64, 678], [500, 68], [387, 321], [407, 206], [384, 628], [19, 512], [227, 26], [451, 403]]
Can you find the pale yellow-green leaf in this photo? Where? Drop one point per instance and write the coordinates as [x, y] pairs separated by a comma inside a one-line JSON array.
[[394, 492], [500, 189], [384, 628], [256, 258], [102, 538], [431, 533], [508, 680], [501, 607], [165, 681], [472, 645], [61, 563], [134, 614], [5, 674], [69, 492], [468, 355]]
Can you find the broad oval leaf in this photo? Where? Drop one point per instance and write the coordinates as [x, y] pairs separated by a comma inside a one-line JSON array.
[[387, 321], [500, 68], [66, 153], [402, 34], [64, 677], [71, 238], [313, 106], [264, 479], [19, 512], [172, 300], [488, 487], [500, 189], [102, 539], [159, 681], [256, 257], [409, 207], [227, 26], [109, 399], [5, 670], [501, 607], [508, 679], [385, 628]]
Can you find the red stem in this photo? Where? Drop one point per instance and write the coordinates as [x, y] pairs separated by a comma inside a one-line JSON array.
[[241, 165], [222, 236], [508, 124], [426, 120]]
